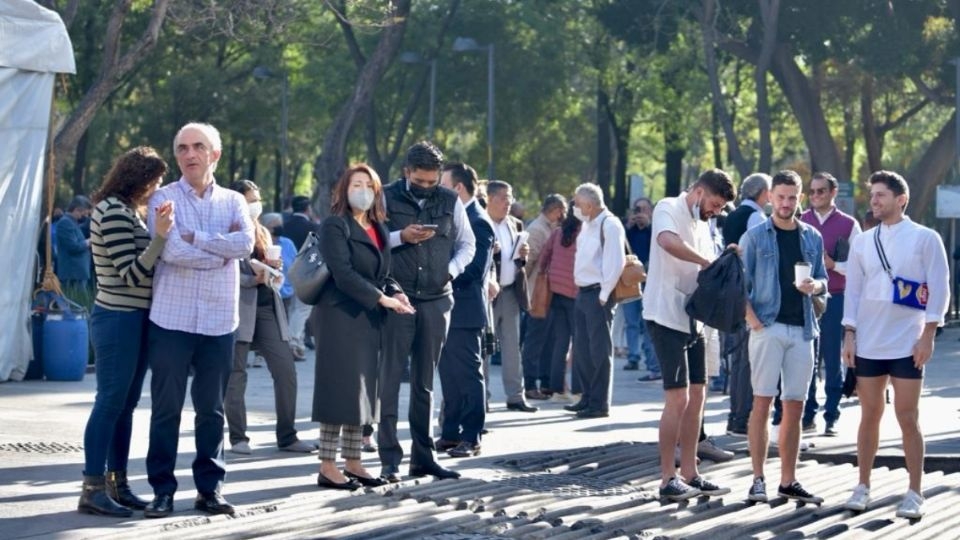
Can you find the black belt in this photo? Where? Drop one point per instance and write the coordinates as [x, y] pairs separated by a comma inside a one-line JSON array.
[[505, 287], [590, 287]]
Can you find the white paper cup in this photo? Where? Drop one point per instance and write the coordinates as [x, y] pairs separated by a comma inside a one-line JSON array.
[[801, 272], [273, 254]]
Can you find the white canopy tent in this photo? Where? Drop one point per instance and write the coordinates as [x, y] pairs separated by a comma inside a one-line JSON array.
[[34, 46]]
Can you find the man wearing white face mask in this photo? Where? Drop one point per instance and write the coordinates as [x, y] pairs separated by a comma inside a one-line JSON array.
[[681, 247], [596, 269]]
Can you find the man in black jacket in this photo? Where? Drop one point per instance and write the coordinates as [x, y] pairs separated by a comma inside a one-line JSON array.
[[461, 365], [432, 244]]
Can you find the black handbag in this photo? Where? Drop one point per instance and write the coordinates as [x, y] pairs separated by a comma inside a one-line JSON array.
[[309, 273]]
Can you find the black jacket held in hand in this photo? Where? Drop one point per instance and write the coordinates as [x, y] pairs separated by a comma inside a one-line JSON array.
[[720, 300]]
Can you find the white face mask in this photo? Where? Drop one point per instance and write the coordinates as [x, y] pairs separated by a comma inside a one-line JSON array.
[[256, 208], [578, 213], [696, 209], [360, 199]]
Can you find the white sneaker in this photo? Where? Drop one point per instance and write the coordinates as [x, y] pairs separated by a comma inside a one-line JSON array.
[[258, 361], [859, 500], [911, 507], [241, 448]]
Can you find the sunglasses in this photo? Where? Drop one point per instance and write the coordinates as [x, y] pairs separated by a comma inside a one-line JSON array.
[[820, 191]]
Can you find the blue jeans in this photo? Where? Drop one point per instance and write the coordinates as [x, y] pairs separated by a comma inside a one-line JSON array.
[[171, 354], [119, 341], [638, 338], [831, 341]]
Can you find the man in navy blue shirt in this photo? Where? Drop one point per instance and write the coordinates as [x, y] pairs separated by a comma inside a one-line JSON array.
[[638, 236]]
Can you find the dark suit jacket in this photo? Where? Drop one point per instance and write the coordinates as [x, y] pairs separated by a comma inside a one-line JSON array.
[[470, 287], [73, 253], [520, 284], [297, 226]]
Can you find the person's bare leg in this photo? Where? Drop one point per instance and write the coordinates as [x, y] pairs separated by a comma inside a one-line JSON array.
[[329, 469], [674, 407], [906, 401], [757, 434], [356, 467], [870, 392], [690, 431], [789, 440]]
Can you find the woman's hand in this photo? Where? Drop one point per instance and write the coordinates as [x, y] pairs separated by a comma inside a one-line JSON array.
[[849, 350], [164, 222], [398, 303], [261, 276]]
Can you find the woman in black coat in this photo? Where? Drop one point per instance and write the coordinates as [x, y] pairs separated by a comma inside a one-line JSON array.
[[348, 320]]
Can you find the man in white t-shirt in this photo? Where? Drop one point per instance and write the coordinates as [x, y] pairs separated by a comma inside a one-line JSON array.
[[887, 340], [681, 247]]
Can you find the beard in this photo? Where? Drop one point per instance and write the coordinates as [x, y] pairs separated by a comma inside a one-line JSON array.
[[786, 214]]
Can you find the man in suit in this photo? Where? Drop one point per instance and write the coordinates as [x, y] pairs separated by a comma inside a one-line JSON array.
[[73, 248], [296, 227], [509, 261], [461, 365], [432, 243]]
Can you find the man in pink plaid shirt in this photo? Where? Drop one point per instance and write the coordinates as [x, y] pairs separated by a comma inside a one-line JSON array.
[[193, 317]]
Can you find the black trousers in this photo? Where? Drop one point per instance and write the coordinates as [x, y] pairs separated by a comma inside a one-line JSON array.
[[464, 391], [593, 347], [535, 349], [171, 354], [419, 336]]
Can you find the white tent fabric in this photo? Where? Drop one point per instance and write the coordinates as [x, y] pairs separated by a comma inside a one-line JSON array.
[[34, 45]]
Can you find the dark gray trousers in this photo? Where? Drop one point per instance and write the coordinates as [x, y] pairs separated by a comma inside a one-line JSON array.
[[734, 345], [593, 348]]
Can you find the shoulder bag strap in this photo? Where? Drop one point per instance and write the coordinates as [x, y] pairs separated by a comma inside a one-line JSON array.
[[882, 254]]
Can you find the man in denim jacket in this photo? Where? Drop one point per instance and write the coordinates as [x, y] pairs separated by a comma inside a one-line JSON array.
[[782, 328]]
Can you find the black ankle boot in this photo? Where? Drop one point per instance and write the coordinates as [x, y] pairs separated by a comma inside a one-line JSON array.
[[94, 499], [119, 490]]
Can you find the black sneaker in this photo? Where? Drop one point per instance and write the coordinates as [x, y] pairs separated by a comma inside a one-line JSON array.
[[678, 490], [707, 487], [809, 427], [758, 491], [830, 430], [795, 491]]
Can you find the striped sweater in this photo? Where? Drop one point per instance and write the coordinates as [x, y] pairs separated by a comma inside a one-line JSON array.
[[123, 256]]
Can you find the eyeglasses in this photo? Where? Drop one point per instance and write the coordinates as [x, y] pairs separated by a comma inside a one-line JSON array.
[[819, 191]]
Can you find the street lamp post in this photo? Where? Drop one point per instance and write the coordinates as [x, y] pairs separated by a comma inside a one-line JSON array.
[[412, 57], [262, 72], [465, 44]]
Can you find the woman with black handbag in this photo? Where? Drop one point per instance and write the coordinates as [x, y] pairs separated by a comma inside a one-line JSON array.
[[350, 312]]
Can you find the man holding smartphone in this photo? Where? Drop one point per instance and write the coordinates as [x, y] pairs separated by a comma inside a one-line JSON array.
[[432, 243]]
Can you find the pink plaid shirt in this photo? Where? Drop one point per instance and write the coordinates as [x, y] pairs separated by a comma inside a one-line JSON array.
[[196, 287]]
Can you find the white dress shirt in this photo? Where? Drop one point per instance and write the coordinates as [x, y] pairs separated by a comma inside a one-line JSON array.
[[508, 270], [596, 264], [886, 331]]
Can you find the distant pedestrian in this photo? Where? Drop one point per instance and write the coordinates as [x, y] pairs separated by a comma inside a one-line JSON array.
[[73, 247], [639, 235], [297, 226], [193, 317], [898, 292], [125, 257]]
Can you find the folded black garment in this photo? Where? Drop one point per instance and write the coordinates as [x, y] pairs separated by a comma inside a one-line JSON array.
[[849, 382]]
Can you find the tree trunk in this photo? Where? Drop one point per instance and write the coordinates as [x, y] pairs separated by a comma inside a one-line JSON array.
[[113, 69], [871, 139], [621, 139], [79, 164], [604, 157], [674, 161], [707, 18], [770, 12], [332, 157], [931, 170]]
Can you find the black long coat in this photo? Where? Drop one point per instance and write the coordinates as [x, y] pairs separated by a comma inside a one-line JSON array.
[[347, 323]]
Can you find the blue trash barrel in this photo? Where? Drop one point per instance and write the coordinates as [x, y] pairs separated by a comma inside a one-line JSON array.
[[65, 344]]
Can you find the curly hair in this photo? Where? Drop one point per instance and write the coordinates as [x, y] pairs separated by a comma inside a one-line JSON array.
[[132, 176]]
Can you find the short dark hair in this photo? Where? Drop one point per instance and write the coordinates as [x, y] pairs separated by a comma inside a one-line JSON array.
[[717, 182], [300, 204], [424, 156], [829, 178], [79, 202], [786, 177], [463, 174], [552, 201], [496, 186], [892, 180]]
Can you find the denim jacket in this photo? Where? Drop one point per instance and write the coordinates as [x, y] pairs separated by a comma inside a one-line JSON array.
[[762, 271]]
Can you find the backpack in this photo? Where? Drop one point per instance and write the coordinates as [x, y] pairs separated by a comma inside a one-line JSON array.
[[720, 300]]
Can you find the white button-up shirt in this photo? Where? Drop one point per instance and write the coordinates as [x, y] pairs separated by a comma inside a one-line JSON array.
[[599, 263]]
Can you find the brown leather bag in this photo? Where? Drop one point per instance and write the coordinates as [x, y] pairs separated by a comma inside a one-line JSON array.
[[541, 297], [628, 286]]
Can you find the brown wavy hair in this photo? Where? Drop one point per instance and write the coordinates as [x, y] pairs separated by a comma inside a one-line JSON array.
[[341, 206], [131, 176]]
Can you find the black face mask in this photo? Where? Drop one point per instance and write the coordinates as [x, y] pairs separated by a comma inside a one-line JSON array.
[[277, 231], [422, 192]]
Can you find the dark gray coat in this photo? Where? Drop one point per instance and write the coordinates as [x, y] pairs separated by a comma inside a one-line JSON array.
[[347, 323]]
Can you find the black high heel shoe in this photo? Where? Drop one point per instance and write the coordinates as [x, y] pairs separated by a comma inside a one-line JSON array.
[[365, 481], [324, 482]]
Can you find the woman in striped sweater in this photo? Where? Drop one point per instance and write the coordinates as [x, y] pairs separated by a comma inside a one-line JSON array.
[[124, 256]]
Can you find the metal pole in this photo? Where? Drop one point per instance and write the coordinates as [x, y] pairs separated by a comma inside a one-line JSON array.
[[284, 117], [433, 93], [490, 124]]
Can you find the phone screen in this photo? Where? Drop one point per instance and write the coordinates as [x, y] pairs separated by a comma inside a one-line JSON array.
[[431, 226]]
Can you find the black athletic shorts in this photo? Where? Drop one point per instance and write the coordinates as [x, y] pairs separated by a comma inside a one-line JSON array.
[[682, 359], [901, 368]]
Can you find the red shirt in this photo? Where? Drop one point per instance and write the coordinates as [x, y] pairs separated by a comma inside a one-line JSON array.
[[374, 237]]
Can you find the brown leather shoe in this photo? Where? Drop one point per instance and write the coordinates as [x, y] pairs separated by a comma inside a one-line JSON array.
[[536, 395]]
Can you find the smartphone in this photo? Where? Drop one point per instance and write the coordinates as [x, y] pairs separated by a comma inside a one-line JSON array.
[[430, 226]]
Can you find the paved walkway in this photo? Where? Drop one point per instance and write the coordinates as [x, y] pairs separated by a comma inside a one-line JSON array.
[[43, 422]]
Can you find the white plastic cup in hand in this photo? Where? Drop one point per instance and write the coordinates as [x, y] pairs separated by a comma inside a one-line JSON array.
[[801, 273], [273, 253]]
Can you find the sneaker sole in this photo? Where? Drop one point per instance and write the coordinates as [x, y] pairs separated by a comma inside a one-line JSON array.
[[808, 500], [716, 492], [758, 498], [909, 516], [683, 497], [855, 507]]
